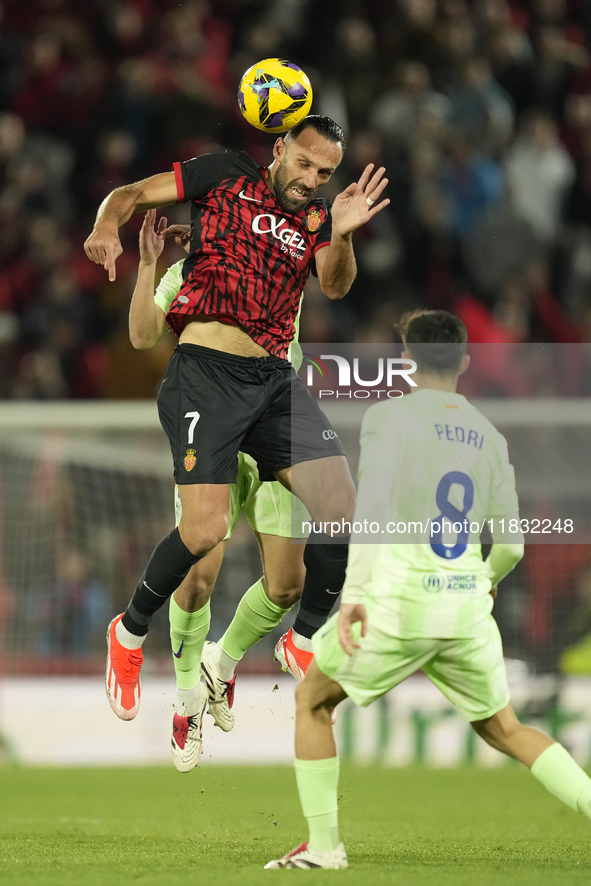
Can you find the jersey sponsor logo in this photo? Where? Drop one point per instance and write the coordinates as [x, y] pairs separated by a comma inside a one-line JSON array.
[[243, 196], [452, 583], [291, 240], [329, 435], [434, 584], [190, 461], [314, 220]]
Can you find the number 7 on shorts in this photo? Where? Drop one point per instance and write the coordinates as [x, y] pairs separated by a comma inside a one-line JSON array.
[[195, 416]]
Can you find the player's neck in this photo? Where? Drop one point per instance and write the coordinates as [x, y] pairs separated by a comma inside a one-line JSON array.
[[268, 173], [434, 382]]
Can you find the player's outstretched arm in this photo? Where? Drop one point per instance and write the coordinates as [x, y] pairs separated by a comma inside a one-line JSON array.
[[147, 321], [352, 208], [103, 245]]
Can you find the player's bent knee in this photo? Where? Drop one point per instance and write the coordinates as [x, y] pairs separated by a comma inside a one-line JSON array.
[[201, 540], [317, 693], [195, 591], [303, 696], [339, 507], [499, 729], [285, 598]]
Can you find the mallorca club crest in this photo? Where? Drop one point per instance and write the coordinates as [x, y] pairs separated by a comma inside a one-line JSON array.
[[190, 460], [314, 220]]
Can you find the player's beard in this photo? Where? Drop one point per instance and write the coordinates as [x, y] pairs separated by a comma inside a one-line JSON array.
[[281, 186]]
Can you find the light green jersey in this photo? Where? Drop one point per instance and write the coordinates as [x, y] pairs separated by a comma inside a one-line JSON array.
[[169, 285], [429, 458], [172, 281]]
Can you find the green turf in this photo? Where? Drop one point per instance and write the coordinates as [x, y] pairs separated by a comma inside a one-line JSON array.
[[409, 827]]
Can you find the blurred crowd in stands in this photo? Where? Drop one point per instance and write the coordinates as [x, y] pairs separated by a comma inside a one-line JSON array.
[[479, 109]]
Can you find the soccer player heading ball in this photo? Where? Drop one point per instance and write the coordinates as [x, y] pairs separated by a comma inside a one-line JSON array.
[[256, 235], [274, 515], [394, 619]]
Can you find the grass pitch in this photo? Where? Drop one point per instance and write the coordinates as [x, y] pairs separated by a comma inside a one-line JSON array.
[[220, 825]]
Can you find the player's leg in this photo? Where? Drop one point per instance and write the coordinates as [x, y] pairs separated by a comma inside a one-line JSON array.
[[326, 488], [380, 662], [295, 432], [261, 609], [317, 773], [203, 414], [268, 509], [203, 526], [190, 617], [547, 760], [471, 674], [316, 697], [266, 603]]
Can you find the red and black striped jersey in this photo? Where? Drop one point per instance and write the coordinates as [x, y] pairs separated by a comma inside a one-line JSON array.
[[249, 258]]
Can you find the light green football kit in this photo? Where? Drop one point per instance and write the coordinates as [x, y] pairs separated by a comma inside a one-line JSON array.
[[427, 458], [269, 507]]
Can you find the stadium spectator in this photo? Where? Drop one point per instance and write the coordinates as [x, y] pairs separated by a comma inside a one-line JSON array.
[[480, 108], [93, 94], [471, 184], [399, 113], [539, 172]]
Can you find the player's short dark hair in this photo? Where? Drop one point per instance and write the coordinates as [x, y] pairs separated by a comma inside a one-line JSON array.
[[324, 126], [437, 340]]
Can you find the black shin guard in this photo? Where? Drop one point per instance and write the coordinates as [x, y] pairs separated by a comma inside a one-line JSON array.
[[170, 562], [325, 575]]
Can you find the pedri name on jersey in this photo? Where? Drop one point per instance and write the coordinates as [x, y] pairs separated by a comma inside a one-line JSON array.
[[458, 434], [291, 241]]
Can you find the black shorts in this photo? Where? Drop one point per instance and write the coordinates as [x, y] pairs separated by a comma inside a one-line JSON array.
[[213, 404]]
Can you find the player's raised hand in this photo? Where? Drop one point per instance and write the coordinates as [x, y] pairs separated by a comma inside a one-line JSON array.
[[350, 614], [181, 234], [151, 239], [103, 247], [354, 206]]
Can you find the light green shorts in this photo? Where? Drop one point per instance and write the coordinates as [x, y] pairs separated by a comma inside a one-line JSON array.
[[268, 507], [469, 671]]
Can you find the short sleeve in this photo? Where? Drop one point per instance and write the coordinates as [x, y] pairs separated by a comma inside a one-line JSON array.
[[503, 501], [325, 233], [324, 236], [169, 285], [194, 178]]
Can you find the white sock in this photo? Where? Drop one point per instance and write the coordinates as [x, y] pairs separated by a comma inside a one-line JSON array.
[[225, 664], [189, 700], [303, 643], [126, 638]]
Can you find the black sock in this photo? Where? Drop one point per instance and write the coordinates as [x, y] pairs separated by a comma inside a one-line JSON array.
[[325, 575], [169, 564]]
